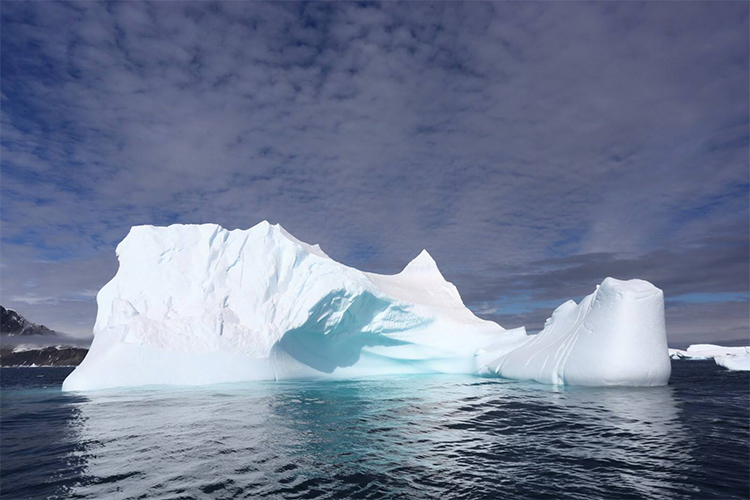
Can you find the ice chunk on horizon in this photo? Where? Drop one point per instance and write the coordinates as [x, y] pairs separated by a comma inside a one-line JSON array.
[[707, 351], [735, 362], [198, 304]]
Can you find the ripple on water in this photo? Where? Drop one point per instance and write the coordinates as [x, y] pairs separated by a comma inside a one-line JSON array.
[[415, 437]]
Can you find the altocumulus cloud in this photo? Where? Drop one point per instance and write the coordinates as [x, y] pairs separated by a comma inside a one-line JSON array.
[[533, 148]]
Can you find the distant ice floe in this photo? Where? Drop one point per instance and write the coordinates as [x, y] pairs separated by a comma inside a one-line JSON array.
[[198, 304], [732, 358]]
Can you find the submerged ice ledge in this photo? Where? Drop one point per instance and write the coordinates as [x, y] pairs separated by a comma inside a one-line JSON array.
[[198, 304]]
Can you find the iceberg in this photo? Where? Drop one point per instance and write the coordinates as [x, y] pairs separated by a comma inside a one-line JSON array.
[[707, 351], [734, 362], [199, 304], [731, 358], [615, 336]]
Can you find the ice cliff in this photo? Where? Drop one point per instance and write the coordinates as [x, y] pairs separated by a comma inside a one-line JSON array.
[[198, 304]]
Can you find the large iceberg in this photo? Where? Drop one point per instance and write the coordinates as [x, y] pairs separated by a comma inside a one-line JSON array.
[[198, 304]]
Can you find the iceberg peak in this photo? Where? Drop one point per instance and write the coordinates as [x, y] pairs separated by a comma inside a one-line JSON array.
[[634, 287], [422, 264], [313, 249]]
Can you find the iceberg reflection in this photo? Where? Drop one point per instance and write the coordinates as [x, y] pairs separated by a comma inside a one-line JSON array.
[[418, 436]]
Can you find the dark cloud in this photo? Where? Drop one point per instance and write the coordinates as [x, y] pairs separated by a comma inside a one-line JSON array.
[[717, 266], [532, 148]]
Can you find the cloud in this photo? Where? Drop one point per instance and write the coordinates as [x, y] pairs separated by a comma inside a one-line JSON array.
[[508, 139], [33, 299]]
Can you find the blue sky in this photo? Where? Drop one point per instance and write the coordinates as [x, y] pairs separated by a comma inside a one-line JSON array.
[[532, 148]]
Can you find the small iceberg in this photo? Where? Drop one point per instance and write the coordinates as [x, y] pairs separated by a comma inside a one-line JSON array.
[[734, 362], [731, 358]]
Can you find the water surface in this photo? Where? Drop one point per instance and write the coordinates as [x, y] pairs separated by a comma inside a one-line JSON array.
[[397, 437]]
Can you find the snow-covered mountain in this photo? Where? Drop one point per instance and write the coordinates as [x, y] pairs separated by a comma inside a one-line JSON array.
[[13, 324], [27, 344], [198, 304]]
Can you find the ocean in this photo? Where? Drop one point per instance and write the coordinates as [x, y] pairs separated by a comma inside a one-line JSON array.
[[394, 437]]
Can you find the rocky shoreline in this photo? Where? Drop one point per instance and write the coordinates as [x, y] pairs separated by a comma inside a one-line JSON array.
[[45, 356]]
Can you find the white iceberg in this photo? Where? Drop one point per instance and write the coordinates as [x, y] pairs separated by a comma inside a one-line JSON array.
[[731, 358], [198, 304], [734, 362], [707, 351], [615, 336]]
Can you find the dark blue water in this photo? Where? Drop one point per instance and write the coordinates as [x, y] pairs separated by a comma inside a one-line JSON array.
[[400, 437]]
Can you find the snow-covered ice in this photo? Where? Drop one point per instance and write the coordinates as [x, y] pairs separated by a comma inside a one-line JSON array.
[[198, 304], [615, 336], [707, 351], [734, 362], [732, 358]]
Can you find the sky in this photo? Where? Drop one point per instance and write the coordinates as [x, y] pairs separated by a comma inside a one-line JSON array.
[[532, 148]]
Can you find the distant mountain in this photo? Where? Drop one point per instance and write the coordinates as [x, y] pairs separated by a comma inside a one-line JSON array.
[[13, 324], [23, 351], [42, 356]]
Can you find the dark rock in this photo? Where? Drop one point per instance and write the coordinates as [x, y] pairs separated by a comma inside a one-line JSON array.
[[44, 356], [12, 324]]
